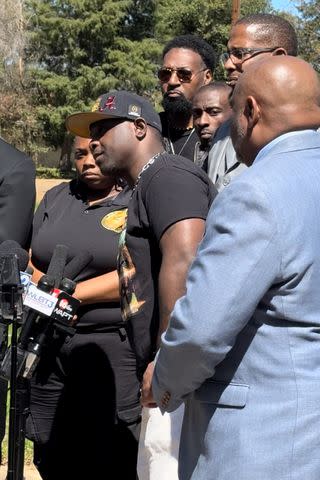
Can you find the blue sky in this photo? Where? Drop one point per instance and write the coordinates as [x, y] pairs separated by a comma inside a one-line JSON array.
[[287, 5]]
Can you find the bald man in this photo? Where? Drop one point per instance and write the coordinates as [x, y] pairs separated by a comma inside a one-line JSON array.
[[242, 347]]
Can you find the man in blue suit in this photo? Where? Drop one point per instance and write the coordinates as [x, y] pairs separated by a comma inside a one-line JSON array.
[[242, 348]]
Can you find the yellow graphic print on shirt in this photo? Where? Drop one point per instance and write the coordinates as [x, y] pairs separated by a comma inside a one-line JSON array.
[[115, 221], [130, 304]]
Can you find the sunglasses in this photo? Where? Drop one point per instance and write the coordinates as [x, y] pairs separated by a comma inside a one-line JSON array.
[[184, 74]]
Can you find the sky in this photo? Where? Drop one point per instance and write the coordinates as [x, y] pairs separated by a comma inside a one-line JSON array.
[[286, 5]]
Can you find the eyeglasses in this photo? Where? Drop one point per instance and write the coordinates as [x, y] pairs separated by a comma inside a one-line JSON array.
[[239, 55], [184, 74]]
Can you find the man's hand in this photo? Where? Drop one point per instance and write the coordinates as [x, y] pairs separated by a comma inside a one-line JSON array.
[[147, 399]]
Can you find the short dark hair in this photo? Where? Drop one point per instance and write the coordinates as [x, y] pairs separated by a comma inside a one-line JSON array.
[[273, 31], [197, 45], [215, 86]]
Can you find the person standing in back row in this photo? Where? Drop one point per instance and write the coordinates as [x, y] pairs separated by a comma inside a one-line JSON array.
[[210, 108], [188, 62], [251, 38]]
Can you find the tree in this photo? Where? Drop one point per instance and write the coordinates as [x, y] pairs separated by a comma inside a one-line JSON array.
[[78, 49], [18, 120], [309, 32], [85, 48], [210, 19]]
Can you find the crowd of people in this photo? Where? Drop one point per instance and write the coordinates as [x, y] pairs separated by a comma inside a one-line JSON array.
[[195, 355]]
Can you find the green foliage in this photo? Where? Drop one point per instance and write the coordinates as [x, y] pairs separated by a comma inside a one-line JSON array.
[[210, 19], [19, 123], [78, 49], [309, 32], [84, 49], [48, 173]]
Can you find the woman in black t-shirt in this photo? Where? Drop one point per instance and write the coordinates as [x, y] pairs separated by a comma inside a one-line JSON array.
[[84, 402]]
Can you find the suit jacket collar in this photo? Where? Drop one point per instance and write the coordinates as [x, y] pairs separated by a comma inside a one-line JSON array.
[[288, 142]]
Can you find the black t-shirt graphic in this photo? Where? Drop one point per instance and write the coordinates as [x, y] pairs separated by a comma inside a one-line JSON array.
[[170, 190]]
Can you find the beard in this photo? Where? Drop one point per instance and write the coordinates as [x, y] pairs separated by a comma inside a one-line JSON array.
[[178, 109]]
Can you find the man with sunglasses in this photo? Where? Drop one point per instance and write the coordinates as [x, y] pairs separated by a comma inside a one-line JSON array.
[[251, 38], [188, 63]]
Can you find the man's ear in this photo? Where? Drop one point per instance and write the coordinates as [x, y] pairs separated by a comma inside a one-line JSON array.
[[140, 128], [208, 77], [252, 112], [280, 51]]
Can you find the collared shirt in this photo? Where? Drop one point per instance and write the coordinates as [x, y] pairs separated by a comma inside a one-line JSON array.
[[65, 217]]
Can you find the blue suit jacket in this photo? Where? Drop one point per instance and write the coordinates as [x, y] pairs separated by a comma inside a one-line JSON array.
[[243, 345]]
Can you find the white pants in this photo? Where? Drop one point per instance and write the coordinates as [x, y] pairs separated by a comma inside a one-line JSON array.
[[159, 444]]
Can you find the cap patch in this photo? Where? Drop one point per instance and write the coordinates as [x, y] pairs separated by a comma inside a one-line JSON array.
[[96, 104], [134, 110], [110, 104]]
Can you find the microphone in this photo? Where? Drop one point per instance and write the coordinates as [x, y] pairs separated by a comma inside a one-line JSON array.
[[51, 305], [12, 256], [13, 248], [57, 263], [77, 264], [46, 285], [64, 309], [66, 306]]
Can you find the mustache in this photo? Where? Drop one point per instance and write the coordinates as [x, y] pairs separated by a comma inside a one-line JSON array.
[[167, 94]]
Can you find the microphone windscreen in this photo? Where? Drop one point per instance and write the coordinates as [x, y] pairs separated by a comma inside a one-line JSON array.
[[11, 246], [77, 264], [57, 263]]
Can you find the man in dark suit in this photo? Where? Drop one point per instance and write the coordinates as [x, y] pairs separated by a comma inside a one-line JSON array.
[[17, 199]]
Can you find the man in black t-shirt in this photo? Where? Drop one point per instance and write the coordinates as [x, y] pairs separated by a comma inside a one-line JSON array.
[[187, 64], [166, 216]]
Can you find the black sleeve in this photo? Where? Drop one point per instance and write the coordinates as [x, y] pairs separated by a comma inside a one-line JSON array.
[[173, 195], [39, 216], [50, 199], [17, 198]]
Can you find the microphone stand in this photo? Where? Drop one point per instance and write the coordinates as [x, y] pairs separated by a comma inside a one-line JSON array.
[[11, 313], [16, 420]]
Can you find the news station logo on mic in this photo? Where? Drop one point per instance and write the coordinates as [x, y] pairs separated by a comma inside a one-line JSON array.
[[39, 300], [65, 307], [63, 304]]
